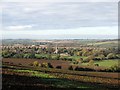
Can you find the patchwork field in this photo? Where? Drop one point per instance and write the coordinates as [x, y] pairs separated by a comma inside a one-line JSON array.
[[18, 74], [60, 64], [16, 77]]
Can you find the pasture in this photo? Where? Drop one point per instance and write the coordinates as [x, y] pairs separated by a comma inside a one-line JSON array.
[[105, 63]]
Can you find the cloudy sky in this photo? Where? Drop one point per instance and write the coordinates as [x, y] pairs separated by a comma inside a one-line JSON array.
[[59, 20]]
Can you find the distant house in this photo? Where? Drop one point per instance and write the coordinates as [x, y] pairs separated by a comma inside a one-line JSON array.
[[64, 54], [43, 46], [17, 45]]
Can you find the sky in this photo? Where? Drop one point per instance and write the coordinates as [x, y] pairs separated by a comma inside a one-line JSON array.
[[59, 20]]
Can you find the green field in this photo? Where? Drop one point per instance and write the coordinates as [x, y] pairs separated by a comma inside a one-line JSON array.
[[105, 63], [74, 57], [52, 80]]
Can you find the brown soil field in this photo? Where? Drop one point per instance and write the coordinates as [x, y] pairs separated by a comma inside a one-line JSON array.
[[11, 77], [63, 64], [107, 79], [26, 62]]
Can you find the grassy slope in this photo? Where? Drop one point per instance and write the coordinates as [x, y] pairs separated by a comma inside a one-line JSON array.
[[105, 63]]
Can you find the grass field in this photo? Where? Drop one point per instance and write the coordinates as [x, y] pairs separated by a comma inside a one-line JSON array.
[[74, 57], [31, 77], [46, 79], [105, 63]]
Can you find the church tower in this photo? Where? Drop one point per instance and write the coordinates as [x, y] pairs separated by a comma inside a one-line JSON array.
[[56, 49]]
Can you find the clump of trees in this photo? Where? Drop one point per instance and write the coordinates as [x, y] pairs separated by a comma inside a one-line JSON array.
[[48, 53], [83, 69], [35, 63], [87, 59], [91, 62], [44, 64], [59, 67], [111, 56], [115, 68]]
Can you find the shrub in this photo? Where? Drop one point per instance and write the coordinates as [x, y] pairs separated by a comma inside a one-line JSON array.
[[58, 67], [35, 63], [46, 65], [50, 65], [75, 62], [118, 56], [49, 57], [70, 68], [83, 69], [19, 64], [111, 56], [102, 56], [91, 62], [87, 59], [77, 68], [97, 59], [38, 56], [115, 68], [96, 64], [18, 56]]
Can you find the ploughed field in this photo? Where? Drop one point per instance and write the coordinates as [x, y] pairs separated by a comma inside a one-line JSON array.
[[27, 62], [17, 73], [54, 63]]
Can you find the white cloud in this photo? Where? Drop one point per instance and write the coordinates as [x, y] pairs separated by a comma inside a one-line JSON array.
[[83, 31], [46, 15], [60, 0], [20, 27]]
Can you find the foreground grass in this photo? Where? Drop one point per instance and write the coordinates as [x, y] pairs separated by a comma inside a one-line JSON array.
[[58, 80], [35, 73], [53, 80]]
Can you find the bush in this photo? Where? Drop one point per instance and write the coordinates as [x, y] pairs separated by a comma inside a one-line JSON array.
[[87, 59], [58, 67], [38, 56], [50, 65], [75, 62], [97, 59], [35, 63], [19, 64], [46, 65], [70, 68], [96, 64], [29, 55], [91, 62], [18, 56], [49, 57], [118, 56], [77, 68], [115, 68], [102, 56], [83, 69], [111, 56]]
